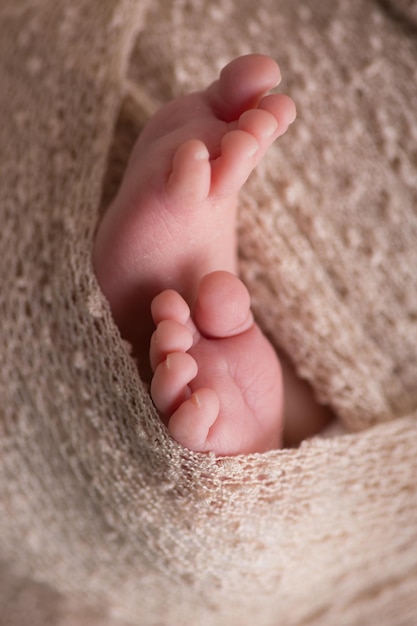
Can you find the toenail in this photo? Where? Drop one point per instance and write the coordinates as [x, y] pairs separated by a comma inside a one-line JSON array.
[[271, 128], [195, 400], [202, 154], [253, 149]]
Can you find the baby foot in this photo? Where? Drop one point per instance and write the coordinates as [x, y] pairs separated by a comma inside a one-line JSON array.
[[173, 218], [217, 380]]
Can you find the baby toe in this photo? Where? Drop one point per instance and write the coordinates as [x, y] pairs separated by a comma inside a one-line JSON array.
[[170, 336], [259, 123], [222, 307], [235, 163], [190, 424], [169, 305], [169, 385], [189, 181], [241, 84], [281, 107]]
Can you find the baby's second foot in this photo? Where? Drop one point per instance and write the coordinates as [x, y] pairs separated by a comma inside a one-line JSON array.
[[217, 380], [173, 219]]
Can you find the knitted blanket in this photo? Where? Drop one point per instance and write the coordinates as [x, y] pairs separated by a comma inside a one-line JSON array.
[[103, 518]]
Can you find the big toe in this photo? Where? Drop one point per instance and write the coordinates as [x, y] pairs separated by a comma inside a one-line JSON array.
[[222, 308], [242, 83]]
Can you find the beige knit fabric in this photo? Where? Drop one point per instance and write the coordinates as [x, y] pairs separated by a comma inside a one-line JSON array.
[[105, 520]]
